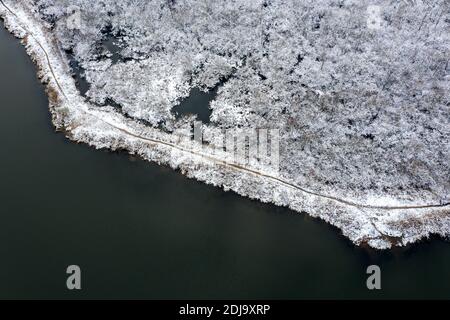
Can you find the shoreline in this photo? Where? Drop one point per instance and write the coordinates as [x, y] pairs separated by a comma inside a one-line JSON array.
[[379, 227]]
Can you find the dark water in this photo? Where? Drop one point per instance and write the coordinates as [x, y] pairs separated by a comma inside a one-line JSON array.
[[78, 74], [111, 46], [138, 230], [197, 104]]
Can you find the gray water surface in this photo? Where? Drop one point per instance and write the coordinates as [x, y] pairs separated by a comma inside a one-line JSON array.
[[138, 230], [196, 104]]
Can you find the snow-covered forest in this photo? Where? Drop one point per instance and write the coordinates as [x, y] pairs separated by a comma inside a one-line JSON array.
[[360, 109], [363, 110]]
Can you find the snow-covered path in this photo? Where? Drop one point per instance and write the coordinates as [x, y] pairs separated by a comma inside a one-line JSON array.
[[216, 160], [118, 124]]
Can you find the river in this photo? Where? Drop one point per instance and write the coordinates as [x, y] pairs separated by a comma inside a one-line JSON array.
[[139, 230]]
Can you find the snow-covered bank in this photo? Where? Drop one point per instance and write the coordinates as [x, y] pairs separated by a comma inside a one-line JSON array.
[[378, 219]]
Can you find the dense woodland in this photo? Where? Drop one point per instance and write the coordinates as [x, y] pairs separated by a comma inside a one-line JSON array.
[[361, 110]]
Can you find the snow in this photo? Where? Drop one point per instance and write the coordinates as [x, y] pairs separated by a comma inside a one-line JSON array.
[[363, 113]]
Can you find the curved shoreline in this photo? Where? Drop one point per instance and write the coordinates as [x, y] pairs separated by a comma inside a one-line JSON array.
[[82, 124]]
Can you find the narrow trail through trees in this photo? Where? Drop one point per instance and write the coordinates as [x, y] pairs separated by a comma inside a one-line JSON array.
[[214, 159]]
